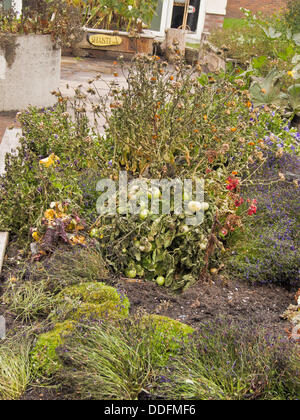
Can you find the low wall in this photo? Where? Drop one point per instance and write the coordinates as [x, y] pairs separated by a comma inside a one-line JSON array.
[[29, 71]]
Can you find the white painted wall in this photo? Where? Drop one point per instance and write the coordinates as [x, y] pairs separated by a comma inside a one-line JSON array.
[[17, 5], [32, 77], [216, 7]]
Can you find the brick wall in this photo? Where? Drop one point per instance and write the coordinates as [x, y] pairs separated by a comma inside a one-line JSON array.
[[213, 22], [265, 6]]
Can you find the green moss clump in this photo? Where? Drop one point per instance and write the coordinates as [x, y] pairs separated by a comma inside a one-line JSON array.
[[168, 336], [86, 310], [90, 300], [43, 356]]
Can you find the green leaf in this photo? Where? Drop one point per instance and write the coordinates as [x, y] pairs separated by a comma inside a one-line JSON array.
[[259, 62], [266, 91], [294, 98], [271, 32]]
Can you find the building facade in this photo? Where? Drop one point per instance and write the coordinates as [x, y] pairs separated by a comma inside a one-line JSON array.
[[268, 7], [204, 15]]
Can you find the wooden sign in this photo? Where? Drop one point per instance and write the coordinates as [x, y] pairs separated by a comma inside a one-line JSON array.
[[101, 40]]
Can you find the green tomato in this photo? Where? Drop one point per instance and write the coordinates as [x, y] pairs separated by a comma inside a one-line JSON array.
[[160, 280], [130, 273], [94, 233], [137, 244], [144, 214]]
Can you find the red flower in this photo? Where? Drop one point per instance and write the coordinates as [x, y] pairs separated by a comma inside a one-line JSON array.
[[252, 210], [239, 202], [232, 184]]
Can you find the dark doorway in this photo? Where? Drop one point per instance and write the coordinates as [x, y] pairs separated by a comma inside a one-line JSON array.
[[178, 11]]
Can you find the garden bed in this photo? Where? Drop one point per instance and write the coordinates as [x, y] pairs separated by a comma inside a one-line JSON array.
[[203, 300]]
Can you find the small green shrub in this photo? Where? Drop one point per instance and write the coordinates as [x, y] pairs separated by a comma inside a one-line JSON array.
[[15, 370], [264, 42], [44, 359], [28, 187], [28, 300], [232, 362], [168, 336], [119, 360], [67, 267], [292, 15], [90, 300]]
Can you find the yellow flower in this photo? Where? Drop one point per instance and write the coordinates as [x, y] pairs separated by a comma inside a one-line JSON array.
[[51, 160], [291, 73], [50, 214], [36, 236], [77, 240]]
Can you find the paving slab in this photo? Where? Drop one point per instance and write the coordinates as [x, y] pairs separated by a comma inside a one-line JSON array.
[[3, 245], [9, 144]]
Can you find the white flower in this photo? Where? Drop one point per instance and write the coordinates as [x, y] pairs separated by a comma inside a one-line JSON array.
[[189, 381], [194, 206]]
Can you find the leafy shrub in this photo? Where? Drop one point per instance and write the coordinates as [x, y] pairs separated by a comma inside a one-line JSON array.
[[232, 362], [90, 300], [128, 15], [28, 187], [118, 361], [15, 370], [292, 15], [264, 43]]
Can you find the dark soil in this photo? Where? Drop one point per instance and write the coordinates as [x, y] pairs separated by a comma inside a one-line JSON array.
[[233, 300]]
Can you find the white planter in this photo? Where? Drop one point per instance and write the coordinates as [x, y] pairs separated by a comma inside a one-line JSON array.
[[30, 73]]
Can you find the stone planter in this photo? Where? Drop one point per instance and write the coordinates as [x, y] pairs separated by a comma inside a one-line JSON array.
[[29, 71], [112, 44]]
